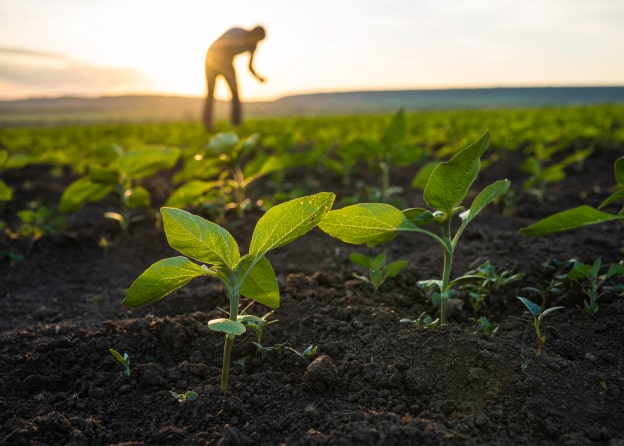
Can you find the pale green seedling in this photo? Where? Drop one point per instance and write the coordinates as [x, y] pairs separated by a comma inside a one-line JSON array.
[[123, 360], [250, 275], [447, 186], [538, 315], [189, 395], [377, 269]]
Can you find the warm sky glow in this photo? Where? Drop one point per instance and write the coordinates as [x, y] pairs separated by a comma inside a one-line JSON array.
[[95, 47]]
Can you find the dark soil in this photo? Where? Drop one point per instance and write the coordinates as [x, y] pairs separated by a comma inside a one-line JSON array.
[[373, 381]]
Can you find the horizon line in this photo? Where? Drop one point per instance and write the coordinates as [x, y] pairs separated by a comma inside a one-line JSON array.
[[153, 93]]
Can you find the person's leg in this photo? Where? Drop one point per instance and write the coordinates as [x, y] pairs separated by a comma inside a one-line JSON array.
[[211, 77], [230, 77]]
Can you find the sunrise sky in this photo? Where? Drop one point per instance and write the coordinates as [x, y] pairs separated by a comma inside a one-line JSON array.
[[100, 47]]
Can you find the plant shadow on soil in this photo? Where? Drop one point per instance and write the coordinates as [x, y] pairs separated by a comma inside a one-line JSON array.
[[374, 380]]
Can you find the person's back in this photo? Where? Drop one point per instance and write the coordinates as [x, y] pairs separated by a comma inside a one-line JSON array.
[[232, 42], [220, 61]]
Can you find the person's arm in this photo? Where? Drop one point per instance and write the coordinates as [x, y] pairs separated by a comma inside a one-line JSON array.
[[251, 68]]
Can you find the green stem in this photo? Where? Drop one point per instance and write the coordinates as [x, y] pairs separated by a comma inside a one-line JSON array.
[[225, 368], [234, 295], [446, 273], [385, 180]]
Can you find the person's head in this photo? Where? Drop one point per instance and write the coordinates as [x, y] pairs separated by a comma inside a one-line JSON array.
[[258, 33]]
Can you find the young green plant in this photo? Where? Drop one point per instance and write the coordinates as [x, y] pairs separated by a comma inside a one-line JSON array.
[[378, 271], [583, 215], [250, 275], [226, 169], [446, 188], [124, 360], [121, 175], [589, 280], [538, 315]]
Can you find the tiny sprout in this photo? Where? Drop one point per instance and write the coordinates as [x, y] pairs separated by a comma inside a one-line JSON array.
[[189, 395], [308, 352], [378, 271], [487, 327], [123, 360], [424, 322], [538, 315]]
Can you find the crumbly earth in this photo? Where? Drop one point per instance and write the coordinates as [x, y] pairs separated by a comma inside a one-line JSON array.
[[374, 380]]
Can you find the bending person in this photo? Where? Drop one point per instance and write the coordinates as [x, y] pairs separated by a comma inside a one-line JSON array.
[[220, 62]]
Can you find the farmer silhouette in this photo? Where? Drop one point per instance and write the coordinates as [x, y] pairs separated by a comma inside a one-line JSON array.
[[220, 62]]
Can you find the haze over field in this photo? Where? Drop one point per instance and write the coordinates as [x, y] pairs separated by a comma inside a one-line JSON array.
[[101, 47]]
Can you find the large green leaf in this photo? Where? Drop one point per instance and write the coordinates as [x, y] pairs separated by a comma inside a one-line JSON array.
[[370, 223], [449, 182], [485, 197], [199, 238], [260, 283], [569, 219], [160, 279], [288, 221], [146, 161], [82, 191]]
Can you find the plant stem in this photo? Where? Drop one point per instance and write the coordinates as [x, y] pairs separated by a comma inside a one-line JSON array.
[[234, 295], [385, 180], [225, 368], [446, 273]]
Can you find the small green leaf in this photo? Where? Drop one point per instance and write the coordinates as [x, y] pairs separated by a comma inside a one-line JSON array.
[[277, 163], [615, 197], [394, 268], [450, 181], [260, 283], [379, 261], [395, 132], [419, 216], [146, 161], [138, 197], [533, 308], [199, 238], [82, 191], [485, 197], [160, 279], [6, 193], [360, 259], [249, 318], [223, 143], [188, 193], [103, 174], [288, 221], [567, 220], [550, 310], [370, 223], [17, 161], [117, 356], [228, 326], [464, 280]]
